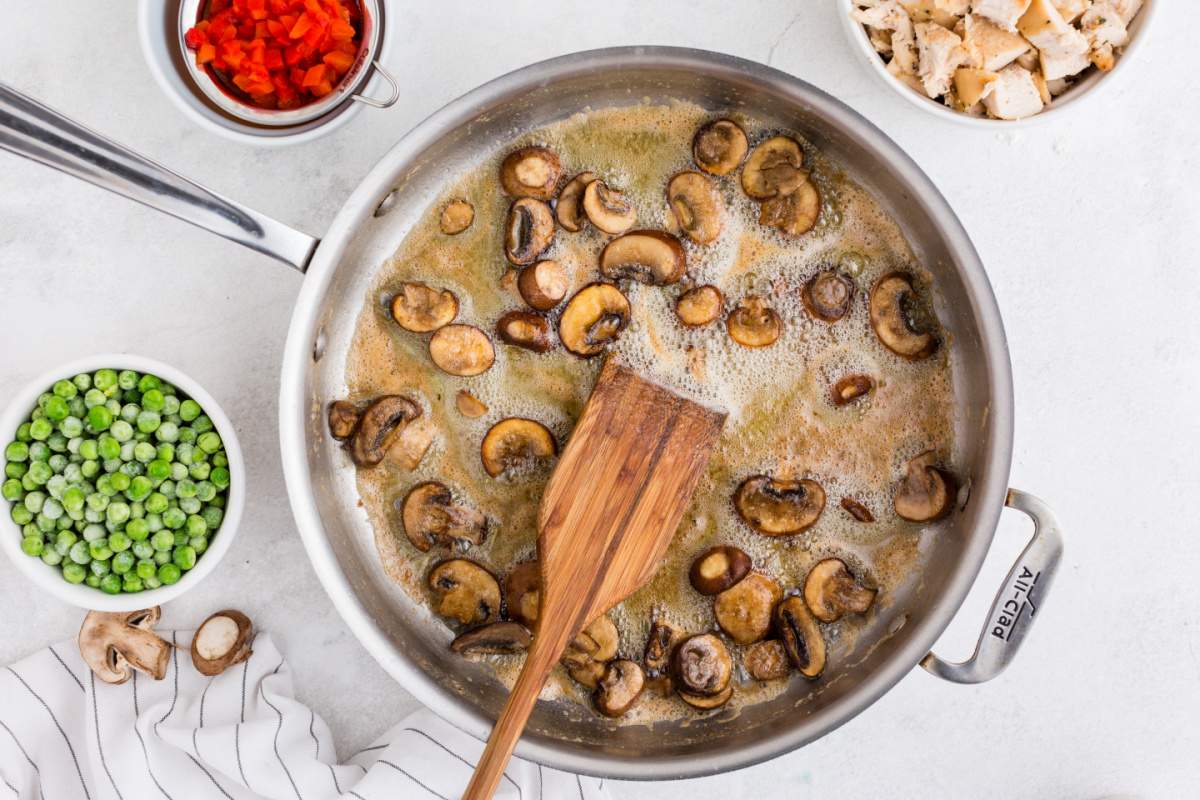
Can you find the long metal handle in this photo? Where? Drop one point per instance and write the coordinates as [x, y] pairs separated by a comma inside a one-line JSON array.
[[1017, 603], [30, 129]]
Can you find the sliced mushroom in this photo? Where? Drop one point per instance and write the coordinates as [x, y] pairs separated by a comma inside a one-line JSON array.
[[893, 310], [830, 591], [718, 568], [593, 319], [529, 231], [530, 172], [696, 205], [753, 323], [619, 687], [699, 306], [608, 209], [343, 419], [744, 610], [457, 216], [773, 169], [588, 673], [767, 660], [469, 405], [857, 510], [543, 285], [851, 388], [794, 214], [828, 295], [431, 516], [114, 644], [927, 492], [513, 443], [569, 209], [465, 592], [462, 350], [599, 639], [720, 146], [525, 329], [707, 702], [421, 309], [800, 636], [498, 638], [379, 426], [779, 507], [522, 592], [653, 257], [657, 656], [221, 641], [701, 665]]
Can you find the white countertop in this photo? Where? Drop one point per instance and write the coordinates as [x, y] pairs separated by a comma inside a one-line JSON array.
[[1088, 229]]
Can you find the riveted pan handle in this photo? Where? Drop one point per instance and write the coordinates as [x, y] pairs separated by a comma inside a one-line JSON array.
[[1018, 602], [30, 129]]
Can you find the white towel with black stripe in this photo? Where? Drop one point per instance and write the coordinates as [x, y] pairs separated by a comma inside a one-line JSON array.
[[242, 734]]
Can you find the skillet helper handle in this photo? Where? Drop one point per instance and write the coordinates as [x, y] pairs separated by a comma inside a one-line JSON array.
[[1018, 602], [30, 129]]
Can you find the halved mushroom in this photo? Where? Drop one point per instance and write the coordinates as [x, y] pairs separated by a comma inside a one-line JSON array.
[[588, 652], [462, 350], [795, 213], [657, 656], [569, 208], [800, 636], [720, 146], [421, 309], [699, 306], [773, 169], [513, 443], [857, 510], [498, 638], [530, 172], [543, 285], [522, 592], [894, 318], [653, 257], [927, 492], [701, 665], [379, 426], [828, 295], [851, 388], [465, 591], [608, 209], [115, 643], [753, 323], [618, 688], [830, 591], [525, 329], [343, 419], [718, 568], [529, 231], [431, 516], [707, 702], [767, 660], [744, 610], [457, 216], [469, 405], [593, 319], [697, 206], [221, 641], [779, 507]]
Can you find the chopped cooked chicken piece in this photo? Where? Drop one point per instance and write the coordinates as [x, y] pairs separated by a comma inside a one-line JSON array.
[[972, 85], [989, 46], [1127, 9], [889, 15], [940, 52], [1058, 86], [943, 12], [1014, 94], [1043, 89], [1104, 30], [1071, 9], [1063, 49], [904, 52], [1030, 60], [881, 40], [1004, 13], [907, 78]]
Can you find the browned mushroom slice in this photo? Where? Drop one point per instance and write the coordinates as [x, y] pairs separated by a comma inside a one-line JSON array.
[[718, 568], [828, 295], [773, 169], [530, 172], [831, 591], [800, 636], [608, 209], [421, 309], [744, 610], [529, 231], [707, 702], [587, 673], [525, 329], [514, 442], [343, 419], [599, 639], [767, 660], [469, 405], [221, 641], [569, 209], [379, 426], [618, 688], [793, 214], [701, 665], [720, 146], [499, 638], [593, 319], [699, 306], [660, 644], [652, 257], [697, 206], [926, 492], [457, 216], [778, 507], [465, 591], [857, 510], [522, 592], [851, 388], [430, 516], [543, 285], [115, 643], [462, 350], [753, 323], [893, 311]]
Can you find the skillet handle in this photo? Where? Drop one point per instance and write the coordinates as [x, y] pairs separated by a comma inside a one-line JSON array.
[[30, 129], [1017, 603]]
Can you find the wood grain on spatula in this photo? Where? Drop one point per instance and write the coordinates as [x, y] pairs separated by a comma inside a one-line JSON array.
[[607, 516]]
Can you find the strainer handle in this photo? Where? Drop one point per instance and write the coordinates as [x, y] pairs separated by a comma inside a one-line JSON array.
[[41, 134]]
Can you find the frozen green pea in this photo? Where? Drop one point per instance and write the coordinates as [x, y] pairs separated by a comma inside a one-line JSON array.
[[196, 526], [149, 383], [158, 470], [148, 421], [80, 552], [127, 379], [133, 468], [220, 459], [34, 501], [108, 448], [163, 556], [16, 451], [12, 490], [94, 532], [15, 469], [131, 584], [169, 574], [167, 489], [121, 430], [33, 546], [56, 409], [166, 452], [140, 488], [57, 462], [119, 481], [39, 451], [190, 505], [21, 515], [99, 550], [185, 488], [65, 389], [189, 410], [126, 453], [199, 472], [179, 471], [129, 412], [52, 509], [118, 542], [71, 426], [187, 435], [137, 529], [167, 432], [146, 568], [184, 557], [40, 429], [89, 449], [40, 472], [170, 408], [123, 562], [199, 544], [156, 503], [99, 419], [93, 581], [142, 549], [154, 522], [104, 379], [111, 584], [144, 452], [117, 512], [100, 568], [163, 540], [153, 400], [74, 573], [51, 557], [94, 398]]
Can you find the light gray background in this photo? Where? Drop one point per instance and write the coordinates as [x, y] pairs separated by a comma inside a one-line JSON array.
[[1088, 228]]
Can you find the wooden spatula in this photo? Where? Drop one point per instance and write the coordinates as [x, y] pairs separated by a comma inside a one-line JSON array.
[[607, 515]]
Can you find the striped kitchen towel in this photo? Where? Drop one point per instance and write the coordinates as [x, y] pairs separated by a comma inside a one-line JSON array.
[[242, 734]]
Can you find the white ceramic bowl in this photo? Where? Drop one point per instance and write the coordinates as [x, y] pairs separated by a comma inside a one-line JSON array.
[[1088, 87], [81, 595]]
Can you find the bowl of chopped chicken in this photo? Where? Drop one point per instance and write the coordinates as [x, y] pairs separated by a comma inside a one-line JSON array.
[[983, 62]]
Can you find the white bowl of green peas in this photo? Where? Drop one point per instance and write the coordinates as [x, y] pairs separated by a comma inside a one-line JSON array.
[[123, 482]]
